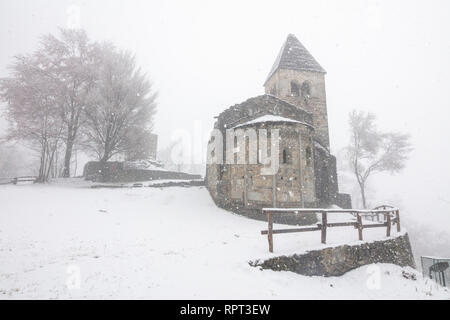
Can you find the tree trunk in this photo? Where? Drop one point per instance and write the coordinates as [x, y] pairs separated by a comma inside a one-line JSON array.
[[103, 172], [76, 162], [41, 176], [363, 194], [68, 156], [50, 163]]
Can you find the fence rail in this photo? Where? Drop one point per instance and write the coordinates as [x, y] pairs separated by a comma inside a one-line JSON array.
[[391, 216], [436, 268], [15, 180]]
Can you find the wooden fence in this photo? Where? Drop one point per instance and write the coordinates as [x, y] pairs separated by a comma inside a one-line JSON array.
[[391, 215], [16, 180]]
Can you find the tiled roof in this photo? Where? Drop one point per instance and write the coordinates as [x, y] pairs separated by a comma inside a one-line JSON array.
[[294, 56]]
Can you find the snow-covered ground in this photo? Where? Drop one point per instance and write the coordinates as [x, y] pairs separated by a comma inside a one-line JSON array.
[[68, 241]]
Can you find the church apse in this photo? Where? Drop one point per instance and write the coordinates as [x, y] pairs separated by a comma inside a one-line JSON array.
[[294, 107]]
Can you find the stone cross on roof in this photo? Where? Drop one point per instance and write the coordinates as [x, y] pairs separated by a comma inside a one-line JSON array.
[[294, 56]]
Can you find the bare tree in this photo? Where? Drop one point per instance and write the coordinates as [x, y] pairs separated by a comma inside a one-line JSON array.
[[140, 144], [371, 151], [32, 109], [68, 60], [122, 104]]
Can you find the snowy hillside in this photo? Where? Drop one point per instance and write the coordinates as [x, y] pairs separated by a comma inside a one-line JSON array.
[[76, 242]]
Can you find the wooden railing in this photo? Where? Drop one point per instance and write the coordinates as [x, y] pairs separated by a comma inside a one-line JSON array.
[[15, 180], [24, 179], [391, 216]]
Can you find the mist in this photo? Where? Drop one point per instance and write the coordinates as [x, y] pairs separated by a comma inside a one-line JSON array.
[[390, 58]]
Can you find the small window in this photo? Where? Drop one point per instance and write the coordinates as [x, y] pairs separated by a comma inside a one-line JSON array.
[[295, 90], [308, 156], [285, 159], [306, 89]]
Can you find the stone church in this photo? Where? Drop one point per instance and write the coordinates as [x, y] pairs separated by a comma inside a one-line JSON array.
[[295, 103]]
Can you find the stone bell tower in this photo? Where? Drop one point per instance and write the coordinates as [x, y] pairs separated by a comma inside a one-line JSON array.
[[297, 78]]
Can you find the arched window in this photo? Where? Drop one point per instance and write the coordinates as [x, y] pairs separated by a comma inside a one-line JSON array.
[[308, 156], [295, 90], [285, 157], [306, 89]]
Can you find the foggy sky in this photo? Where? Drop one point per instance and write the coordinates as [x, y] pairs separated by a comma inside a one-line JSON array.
[[388, 57]]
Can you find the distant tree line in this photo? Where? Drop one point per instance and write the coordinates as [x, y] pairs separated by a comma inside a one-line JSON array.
[[73, 93]]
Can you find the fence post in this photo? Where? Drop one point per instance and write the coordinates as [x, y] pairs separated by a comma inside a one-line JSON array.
[[324, 227], [360, 226], [397, 214], [270, 230], [388, 227]]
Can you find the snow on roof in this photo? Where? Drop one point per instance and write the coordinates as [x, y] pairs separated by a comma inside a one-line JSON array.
[[269, 118], [294, 56], [144, 165]]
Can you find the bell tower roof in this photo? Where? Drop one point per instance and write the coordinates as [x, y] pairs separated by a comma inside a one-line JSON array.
[[294, 56]]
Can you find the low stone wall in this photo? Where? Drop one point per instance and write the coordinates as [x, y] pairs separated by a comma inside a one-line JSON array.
[[182, 183], [296, 219], [343, 200], [145, 175], [336, 261], [192, 183], [116, 172]]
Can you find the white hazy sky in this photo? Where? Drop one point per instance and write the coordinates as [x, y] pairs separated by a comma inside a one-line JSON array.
[[388, 57]]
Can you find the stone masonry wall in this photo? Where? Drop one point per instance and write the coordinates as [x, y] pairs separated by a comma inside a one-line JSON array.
[[115, 172], [294, 181], [243, 189], [336, 261], [280, 85]]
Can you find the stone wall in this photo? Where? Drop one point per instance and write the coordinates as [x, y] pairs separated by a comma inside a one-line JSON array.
[[309, 179], [243, 189], [292, 186], [260, 105], [115, 172], [145, 175], [326, 180], [343, 200], [280, 85], [336, 261]]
